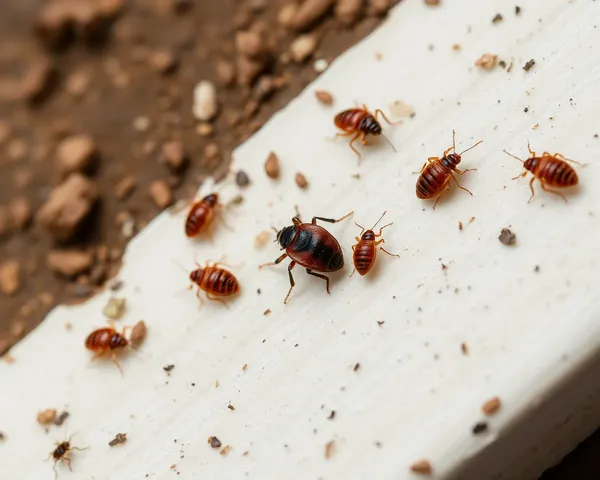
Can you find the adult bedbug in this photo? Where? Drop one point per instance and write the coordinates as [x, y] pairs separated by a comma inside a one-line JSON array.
[[107, 340], [365, 251], [200, 215], [62, 453], [550, 170], [437, 172], [215, 281], [311, 246], [360, 122]]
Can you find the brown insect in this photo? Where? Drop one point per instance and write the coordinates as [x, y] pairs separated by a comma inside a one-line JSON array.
[[360, 122], [215, 281], [437, 172], [365, 251], [107, 340], [62, 453], [550, 170], [201, 214]]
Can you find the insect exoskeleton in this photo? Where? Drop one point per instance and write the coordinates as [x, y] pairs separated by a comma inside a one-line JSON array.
[[107, 340], [200, 215], [215, 281], [312, 247], [436, 173], [358, 123], [365, 251], [550, 170]]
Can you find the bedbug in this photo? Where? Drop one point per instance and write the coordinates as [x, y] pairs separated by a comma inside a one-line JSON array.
[[550, 170], [365, 251], [360, 122], [62, 453], [215, 281], [107, 340], [200, 215], [437, 172], [311, 246]]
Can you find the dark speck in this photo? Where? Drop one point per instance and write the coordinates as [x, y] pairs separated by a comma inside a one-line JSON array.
[[380, 323], [331, 415], [378, 444], [480, 427], [258, 291], [536, 269], [502, 64], [168, 368], [356, 367], [193, 384], [497, 18], [526, 109], [517, 10], [528, 65], [595, 135]]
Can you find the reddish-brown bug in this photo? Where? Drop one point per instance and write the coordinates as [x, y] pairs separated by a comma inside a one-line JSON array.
[[550, 170], [62, 453], [215, 281], [360, 122], [437, 172], [365, 251], [107, 340], [201, 214], [311, 246]]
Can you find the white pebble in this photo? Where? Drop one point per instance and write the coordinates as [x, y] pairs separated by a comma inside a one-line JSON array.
[[205, 101], [303, 47], [141, 124], [320, 65]]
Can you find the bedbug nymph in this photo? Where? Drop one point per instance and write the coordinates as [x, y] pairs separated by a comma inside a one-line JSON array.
[[311, 246], [436, 173], [550, 170], [107, 340], [360, 122], [215, 281], [365, 251], [201, 214], [62, 453]]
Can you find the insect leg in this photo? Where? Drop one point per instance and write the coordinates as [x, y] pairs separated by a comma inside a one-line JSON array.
[[462, 172], [279, 260], [390, 254], [55, 471], [530, 150], [444, 191], [524, 174], [354, 138], [330, 220], [379, 112], [562, 157], [212, 297], [292, 283], [324, 277], [531, 187], [199, 297], [549, 190], [460, 186], [116, 362], [421, 171]]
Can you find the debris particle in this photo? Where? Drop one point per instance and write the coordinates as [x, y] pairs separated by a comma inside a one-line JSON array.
[[380, 323], [39, 81], [502, 64], [464, 348], [69, 263], [479, 427], [456, 47], [309, 13], [331, 415], [537, 269], [329, 449], [272, 166], [324, 97], [205, 106], [225, 450], [261, 239], [356, 367], [164, 61], [348, 11], [528, 65], [214, 442], [58, 421], [422, 467], [216, 384], [303, 47], [46, 417], [10, 277], [138, 333], [161, 193], [231, 407], [491, 406], [301, 181], [517, 10], [168, 368], [174, 156], [399, 108], [507, 237], [115, 307], [241, 179], [75, 154], [267, 311], [535, 127], [2, 436], [487, 61], [471, 220], [125, 187], [320, 65], [244, 367], [432, 3], [497, 18], [460, 225], [119, 438]]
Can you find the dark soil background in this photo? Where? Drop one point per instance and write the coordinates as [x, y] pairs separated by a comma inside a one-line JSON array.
[[98, 135]]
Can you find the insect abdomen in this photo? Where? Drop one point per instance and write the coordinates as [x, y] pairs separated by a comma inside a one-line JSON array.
[[556, 172], [99, 339], [219, 282], [350, 119], [433, 179], [364, 257], [196, 219]]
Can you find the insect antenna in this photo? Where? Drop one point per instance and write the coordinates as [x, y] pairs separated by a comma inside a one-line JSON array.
[[390, 143], [513, 156], [471, 147], [382, 215]]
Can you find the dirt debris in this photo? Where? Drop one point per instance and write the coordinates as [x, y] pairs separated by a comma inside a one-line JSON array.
[[69, 263], [422, 467], [125, 187], [60, 419], [119, 439], [267, 312], [76, 153], [329, 449], [46, 417], [309, 13], [39, 81], [464, 348], [67, 207], [262, 239], [115, 308], [301, 181], [161, 194], [528, 65], [272, 168], [164, 61], [20, 213], [479, 427], [400, 109], [168, 368], [174, 156], [487, 61], [303, 47], [10, 277], [507, 237], [491, 406], [205, 107], [348, 12], [324, 97], [497, 18], [242, 179], [225, 450], [214, 442]]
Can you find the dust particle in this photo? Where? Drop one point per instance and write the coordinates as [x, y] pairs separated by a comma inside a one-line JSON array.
[[497, 18], [214, 442], [115, 308], [380, 323], [225, 450], [487, 61], [502, 64], [2, 437], [329, 449], [46, 417], [507, 237], [528, 65], [119, 438], [168, 368], [422, 467], [456, 47], [324, 97], [491, 406], [479, 427]]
